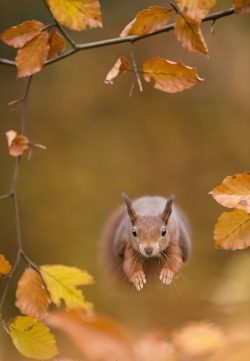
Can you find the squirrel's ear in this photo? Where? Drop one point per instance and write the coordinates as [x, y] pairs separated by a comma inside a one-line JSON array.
[[131, 211], [168, 209]]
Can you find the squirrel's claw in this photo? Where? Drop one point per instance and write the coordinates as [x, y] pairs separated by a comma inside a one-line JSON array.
[[166, 276], [138, 280]]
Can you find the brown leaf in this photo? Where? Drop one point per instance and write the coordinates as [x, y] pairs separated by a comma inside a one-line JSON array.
[[31, 297], [232, 230], [56, 44], [169, 76], [77, 14], [96, 336], [31, 57], [241, 6], [5, 267], [196, 9], [17, 143], [121, 66], [147, 21], [234, 192], [188, 32], [19, 35]]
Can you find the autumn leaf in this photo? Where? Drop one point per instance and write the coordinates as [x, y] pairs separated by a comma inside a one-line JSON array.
[[17, 143], [232, 230], [169, 76], [31, 57], [56, 44], [5, 267], [62, 282], [31, 297], [234, 192], [121, 66], [147, 21], [241, 6], [19, 35], [196, 9], [188, 32], [77, 14], [32, 338]]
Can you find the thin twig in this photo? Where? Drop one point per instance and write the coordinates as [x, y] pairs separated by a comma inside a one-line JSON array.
[[132, 56]]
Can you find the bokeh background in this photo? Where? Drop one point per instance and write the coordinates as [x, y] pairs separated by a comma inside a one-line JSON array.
[[101, 142]]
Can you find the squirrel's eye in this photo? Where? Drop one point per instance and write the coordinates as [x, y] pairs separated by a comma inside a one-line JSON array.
[[163, 232], [134, 232]]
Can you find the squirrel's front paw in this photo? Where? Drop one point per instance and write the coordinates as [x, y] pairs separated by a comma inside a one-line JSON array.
[[138, 280], [166, 276]]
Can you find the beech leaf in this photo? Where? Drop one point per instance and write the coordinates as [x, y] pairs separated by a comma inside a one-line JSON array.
[[232, 230], [17, 143], [32, 338], [241, 6], [169, 76], [77, 14], [147, 21], [234, 192], [19, 35], [121, 66], [32, 298], [62, 282], [188, 32], [56, 44], [196, 9], [5, 267]]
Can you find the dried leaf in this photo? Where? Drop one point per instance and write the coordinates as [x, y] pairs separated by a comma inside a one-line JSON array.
[[234, 192], [232, 230], [169, 76], [19, 35], [31, 57], [61, 282], [241, 6], [56, 44], [77, 14], [188, 32], [147, 21], [196, 9], [5, 267], [121, 66], [96, 336], [154, 346], [17, 143], [32, 338], [31, 297]]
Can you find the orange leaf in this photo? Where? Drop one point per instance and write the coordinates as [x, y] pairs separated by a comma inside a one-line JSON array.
[[5, 267], [31, 57], [121, 66], [77, 14], [234, 192], [147, 21], [241, 6], [169, 76], [31, 297], [19, 35], [189, 34], [56, 44], [232, 230], [17, 143], [196, 9]]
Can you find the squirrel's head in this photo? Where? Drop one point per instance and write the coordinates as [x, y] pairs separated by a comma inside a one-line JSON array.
[[149, 233]]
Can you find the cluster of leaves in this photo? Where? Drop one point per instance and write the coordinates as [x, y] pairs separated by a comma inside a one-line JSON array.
[[233, 228]]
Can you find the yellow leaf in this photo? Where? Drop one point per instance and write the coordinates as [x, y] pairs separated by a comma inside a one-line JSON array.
[[32, 338], [61, 282], [241, 6], [232, 230], [77, 14], [31, 297], [31, 57], [5, 267], [234, 192], [188, 32], [169, 76], [19, 35], [196, 9], [56, 44], [121, 66], [17, 143], [147, 21]]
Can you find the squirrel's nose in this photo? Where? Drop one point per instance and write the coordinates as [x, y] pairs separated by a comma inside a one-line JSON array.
[[148, 250]]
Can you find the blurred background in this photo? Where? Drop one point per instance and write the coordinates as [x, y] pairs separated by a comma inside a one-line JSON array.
[[101, 142]]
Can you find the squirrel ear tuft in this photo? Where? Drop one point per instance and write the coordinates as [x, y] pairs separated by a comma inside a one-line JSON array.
[[131, 211], [168, 208]]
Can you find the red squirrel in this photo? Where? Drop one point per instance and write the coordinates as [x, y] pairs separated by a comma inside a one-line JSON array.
[[145, 229]]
